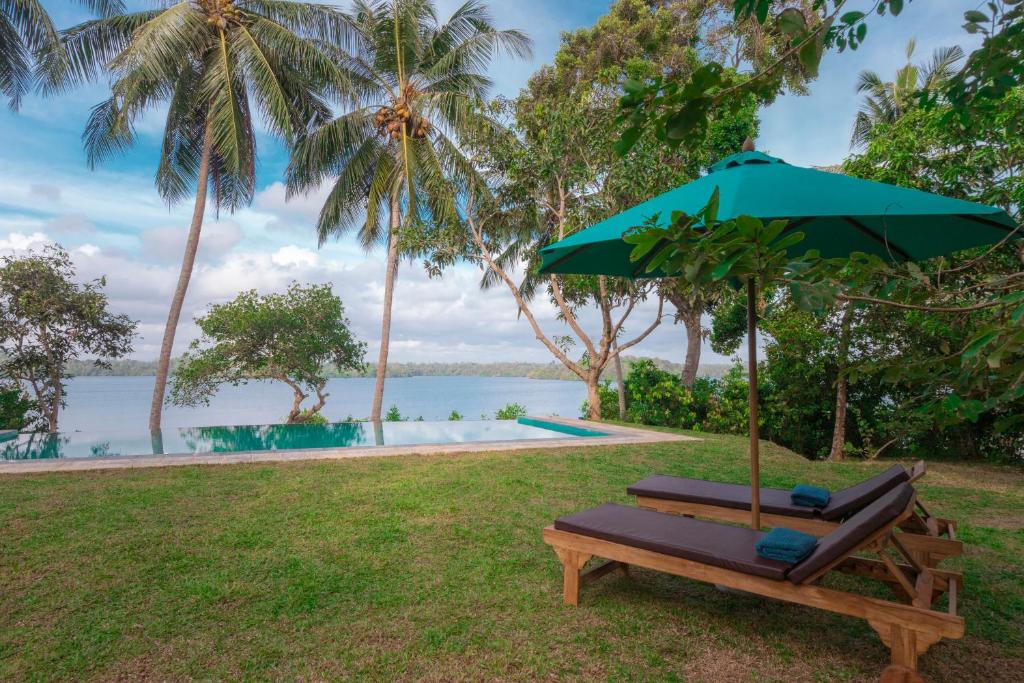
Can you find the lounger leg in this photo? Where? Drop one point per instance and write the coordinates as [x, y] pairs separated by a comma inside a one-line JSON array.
[[572, 563], [904, 647]]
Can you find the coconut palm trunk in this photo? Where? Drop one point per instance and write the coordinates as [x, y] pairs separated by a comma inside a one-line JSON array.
[[187, 263], [385, 320]]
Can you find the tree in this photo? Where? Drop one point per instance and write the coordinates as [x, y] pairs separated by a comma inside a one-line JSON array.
[[26, 31], [47, 320], [417, 82], [885, 102], [514, 212], [209, 62], [289, 337], [560, 172]]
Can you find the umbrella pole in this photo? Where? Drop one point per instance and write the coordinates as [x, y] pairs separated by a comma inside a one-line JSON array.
[[755, 465]]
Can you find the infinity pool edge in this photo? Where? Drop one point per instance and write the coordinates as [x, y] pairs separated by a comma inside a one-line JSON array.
[[614, 435]]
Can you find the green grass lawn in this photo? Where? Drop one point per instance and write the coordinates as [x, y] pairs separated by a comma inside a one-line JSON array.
[[432, 568]]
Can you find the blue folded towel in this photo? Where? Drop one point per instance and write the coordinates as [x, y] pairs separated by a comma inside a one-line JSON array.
[[809, 496], [786, 545]]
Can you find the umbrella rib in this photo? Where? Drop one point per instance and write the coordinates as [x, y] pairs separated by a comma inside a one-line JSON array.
[[878, 238], [989, 223], [546, 270]]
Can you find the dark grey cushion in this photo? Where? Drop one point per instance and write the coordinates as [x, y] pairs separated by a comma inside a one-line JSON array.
[[850, 500], [852, 532], [709, 543], [721, 494], [773, 501]]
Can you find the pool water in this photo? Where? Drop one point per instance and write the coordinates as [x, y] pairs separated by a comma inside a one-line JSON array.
[[81, 444]]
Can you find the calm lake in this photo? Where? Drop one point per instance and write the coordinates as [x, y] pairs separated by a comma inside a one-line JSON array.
[[106, 403]]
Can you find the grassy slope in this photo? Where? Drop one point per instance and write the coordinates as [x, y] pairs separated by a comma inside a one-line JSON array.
[[432, 568]]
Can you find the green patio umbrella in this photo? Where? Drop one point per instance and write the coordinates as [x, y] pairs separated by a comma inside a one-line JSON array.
[[838, 214]]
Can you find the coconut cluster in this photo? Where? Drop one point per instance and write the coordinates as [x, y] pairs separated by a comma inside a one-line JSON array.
[[221, 13], [390, 120]]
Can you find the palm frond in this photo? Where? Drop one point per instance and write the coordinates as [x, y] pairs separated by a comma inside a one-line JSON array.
[[84, 51], [184, 130], [943, 65], [15, 64]]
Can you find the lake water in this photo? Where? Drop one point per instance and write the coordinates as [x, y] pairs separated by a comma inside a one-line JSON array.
[[102, 403]]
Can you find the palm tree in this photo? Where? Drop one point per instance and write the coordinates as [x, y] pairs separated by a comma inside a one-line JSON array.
[[887, 102], [209, 62], [27, 30], [418, 81]]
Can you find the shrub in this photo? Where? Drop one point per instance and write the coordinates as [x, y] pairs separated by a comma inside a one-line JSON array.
[[454, 416], [308, 418], [393, 415], [513, 411], [657, 397], [15, 407], [728, 412], [704, 392]]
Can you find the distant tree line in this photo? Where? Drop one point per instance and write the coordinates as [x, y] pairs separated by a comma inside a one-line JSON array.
[[138, 368]]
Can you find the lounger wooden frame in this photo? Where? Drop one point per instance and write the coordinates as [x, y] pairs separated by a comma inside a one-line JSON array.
[[908, 628], [927, 538]]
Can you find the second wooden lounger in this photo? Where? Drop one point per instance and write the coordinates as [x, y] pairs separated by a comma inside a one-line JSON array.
[[928, 538], [725, 555]]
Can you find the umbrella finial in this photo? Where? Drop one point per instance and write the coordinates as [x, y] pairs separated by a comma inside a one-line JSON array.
[[748, 145]]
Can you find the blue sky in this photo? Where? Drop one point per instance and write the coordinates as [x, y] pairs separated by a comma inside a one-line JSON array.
[[116, 225]]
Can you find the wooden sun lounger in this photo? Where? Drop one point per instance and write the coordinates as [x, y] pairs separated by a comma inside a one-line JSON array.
[[929, 539], [724, 555]]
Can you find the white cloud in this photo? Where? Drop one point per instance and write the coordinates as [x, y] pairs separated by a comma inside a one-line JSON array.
[[20, 242], [294, 256]]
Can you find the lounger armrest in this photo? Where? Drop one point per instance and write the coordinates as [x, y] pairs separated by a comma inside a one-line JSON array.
[[917, 471]]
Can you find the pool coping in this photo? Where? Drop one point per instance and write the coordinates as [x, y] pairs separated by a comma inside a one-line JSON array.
[[614, 435]]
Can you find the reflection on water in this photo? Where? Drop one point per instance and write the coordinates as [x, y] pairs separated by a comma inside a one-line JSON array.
[[271, 438]]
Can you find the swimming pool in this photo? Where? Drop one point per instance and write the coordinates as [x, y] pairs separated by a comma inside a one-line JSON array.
[[248, 438]]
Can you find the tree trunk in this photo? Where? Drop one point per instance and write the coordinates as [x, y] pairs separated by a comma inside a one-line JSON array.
[[187, 263], [839, 431], [385, 322], [51, 416], [693, 338], [620, 383], [593, 395]]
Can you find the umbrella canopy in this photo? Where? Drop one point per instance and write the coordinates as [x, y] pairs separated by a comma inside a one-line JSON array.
[[839, 215]]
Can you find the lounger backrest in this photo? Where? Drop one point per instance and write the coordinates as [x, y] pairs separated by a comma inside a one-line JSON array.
[[854, 531], [859, 496]]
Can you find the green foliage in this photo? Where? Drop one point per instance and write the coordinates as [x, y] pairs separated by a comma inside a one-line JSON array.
[[798, 38], [47, 320], [455, 416], [16, 407], [729, 410], [393, 415], [512, 411], [656, 397], [311, 419], [287, 337]]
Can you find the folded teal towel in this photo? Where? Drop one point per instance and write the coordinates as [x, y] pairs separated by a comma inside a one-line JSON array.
[[786, 545], [809, 496]]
